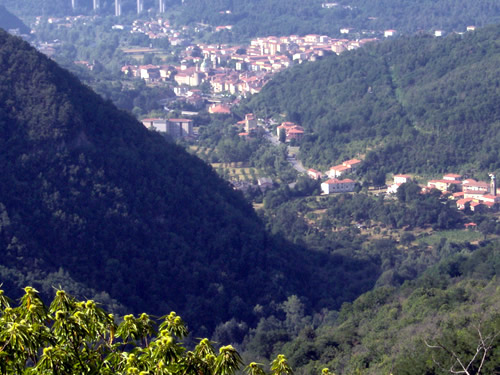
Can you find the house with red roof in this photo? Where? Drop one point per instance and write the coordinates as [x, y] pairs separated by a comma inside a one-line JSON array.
[[291, 130], [219, 109], [337, 186], [347, 166]]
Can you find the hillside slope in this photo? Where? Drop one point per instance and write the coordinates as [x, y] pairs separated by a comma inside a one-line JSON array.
[[386, 330], [9, 21], [419, 104], [280, 17], [86, 190]]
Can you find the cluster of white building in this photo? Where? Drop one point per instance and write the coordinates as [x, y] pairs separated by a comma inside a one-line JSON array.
[[334, 184], [467, 192]]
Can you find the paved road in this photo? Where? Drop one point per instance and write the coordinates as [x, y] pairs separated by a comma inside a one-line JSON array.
[[297, 164], [292, 160]]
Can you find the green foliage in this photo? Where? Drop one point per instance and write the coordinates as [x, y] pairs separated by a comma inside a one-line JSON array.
[[279, 17], [70, 337], [411, 329], [420, 104]]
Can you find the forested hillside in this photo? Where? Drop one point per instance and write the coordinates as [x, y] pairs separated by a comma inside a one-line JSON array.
[[91, 198], [279, 17], [422, 327], [420, 104]]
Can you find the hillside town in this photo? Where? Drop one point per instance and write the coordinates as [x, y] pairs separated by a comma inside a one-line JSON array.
[[240, 69]]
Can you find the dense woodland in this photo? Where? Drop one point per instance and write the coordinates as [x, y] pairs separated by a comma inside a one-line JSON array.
[[407, 330], [421, 104]]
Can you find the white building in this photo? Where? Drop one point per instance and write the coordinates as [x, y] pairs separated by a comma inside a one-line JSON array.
[[337, 186]]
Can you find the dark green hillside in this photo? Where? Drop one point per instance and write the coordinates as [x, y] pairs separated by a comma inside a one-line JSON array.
[[417, 104], [9, 21], [384, 331], [88, 189]]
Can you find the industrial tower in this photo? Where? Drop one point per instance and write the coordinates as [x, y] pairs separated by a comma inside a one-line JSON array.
[[162, 6], [493, 185], [73, 5], [97, 5], [140, 6], [118, 8]]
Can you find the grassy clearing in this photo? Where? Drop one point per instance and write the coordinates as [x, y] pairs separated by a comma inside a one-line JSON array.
[[457, 236]]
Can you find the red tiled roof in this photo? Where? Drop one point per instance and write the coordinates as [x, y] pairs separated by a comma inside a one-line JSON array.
[[337, 181], [340, 167]]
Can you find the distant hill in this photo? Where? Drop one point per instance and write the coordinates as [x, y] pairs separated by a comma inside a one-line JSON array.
[[9, 21], [285, 17], [280, 17], [89, 197], [420, 104]]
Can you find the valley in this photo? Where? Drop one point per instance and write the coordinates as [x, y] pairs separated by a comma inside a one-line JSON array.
[[323, 200]]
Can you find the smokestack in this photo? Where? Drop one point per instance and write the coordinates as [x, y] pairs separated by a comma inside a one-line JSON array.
[[140, 6], [97, 5], [162, 6], [118, 8], [73, 5], [493, 185]]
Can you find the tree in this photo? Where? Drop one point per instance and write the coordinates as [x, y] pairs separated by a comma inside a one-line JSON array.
[[456, 359], [77, 337]]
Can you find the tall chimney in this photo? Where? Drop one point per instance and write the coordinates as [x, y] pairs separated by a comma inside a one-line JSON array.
[[493, 185], [73, 5], [162, 6], [97, 4], [140, 6], [118, 8]]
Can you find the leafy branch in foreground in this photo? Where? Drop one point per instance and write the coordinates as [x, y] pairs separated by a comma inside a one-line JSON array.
[[71, 336]]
